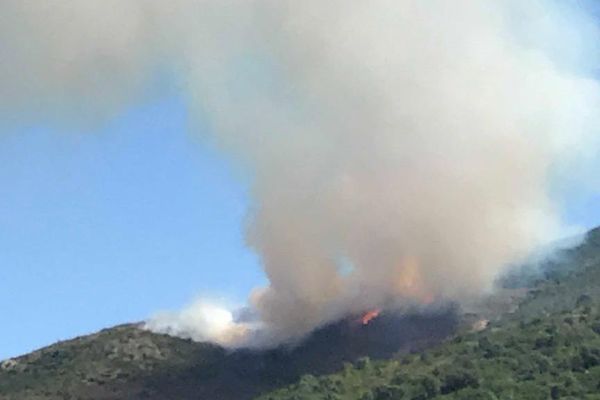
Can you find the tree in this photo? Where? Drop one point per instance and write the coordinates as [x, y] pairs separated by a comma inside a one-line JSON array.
[[388, 392], [458, 379]]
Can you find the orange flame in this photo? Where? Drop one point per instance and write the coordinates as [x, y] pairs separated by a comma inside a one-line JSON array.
[[369, 316], [410, 282]]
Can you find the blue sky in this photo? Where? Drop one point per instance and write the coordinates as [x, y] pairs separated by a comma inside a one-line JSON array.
[[110, 226], [99, 228]]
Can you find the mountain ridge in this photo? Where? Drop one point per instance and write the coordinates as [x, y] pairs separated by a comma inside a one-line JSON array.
[[128, 362]]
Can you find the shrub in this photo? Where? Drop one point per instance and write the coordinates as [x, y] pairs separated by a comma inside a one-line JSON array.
[[458, 379], [388, 392]]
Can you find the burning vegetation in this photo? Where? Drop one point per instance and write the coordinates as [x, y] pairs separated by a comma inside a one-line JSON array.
[[369, 316], [413, 140]]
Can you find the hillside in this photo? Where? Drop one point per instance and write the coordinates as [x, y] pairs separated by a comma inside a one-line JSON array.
[[548, 346], [551, 357], [127, 362]]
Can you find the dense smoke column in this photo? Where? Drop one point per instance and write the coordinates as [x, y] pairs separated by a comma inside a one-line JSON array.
[[399, 150]]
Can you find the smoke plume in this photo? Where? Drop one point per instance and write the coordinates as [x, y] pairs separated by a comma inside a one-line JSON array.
[[400, 150], [202, 321]]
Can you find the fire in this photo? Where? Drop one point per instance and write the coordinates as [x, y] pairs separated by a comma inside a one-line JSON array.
[[410, 282], [369, 316]]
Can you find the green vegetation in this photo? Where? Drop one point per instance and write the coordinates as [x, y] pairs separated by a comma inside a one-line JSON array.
[[109, 364], [546, 348], [556, 356], [549, 348], [557, 284]]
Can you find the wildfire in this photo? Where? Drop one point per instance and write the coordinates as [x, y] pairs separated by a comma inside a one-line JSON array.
[[410, 282], [369, 316]]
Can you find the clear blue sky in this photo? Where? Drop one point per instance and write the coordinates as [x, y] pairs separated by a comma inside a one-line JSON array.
[[100, 228]]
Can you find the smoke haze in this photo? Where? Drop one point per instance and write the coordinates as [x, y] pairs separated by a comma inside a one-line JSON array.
[[400, 151]]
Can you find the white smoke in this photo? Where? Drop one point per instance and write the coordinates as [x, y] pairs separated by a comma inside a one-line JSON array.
[[201, 321], [400, 150]]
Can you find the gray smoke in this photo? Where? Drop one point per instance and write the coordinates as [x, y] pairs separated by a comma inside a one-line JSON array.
[[401, 150]]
